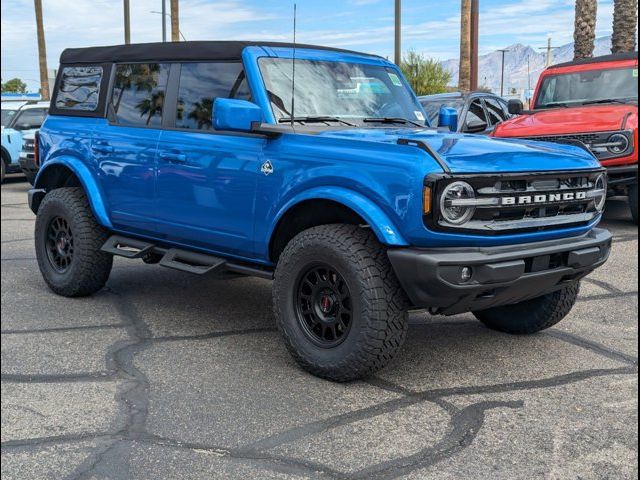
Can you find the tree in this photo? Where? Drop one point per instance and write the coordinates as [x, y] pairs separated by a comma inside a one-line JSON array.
[[15, 85], [42, 52], [584, 32], [625, 18], [464, 80], [425, 75]]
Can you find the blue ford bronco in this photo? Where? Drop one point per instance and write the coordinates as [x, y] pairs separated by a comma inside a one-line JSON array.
[[315, 168]]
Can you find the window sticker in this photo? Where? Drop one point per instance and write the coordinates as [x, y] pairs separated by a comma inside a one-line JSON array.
[[419, 115], [395, 79], [635, 73]]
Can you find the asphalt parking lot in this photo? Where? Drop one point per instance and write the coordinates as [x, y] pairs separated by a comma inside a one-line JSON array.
[[162, 375]]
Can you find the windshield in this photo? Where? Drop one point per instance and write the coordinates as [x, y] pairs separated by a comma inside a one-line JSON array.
[[432, 107], [591, 86], [338, 90], [7, 116]]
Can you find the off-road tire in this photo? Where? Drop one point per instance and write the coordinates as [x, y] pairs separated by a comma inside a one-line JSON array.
[[89, 268], [633, 202], [531, 316], [3, 169], [379, 304]]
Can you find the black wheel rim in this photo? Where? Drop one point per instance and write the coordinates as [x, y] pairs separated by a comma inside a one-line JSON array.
[[59, 244], [323, 305]]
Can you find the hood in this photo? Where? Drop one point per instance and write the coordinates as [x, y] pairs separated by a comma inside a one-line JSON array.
[[559, 121], [480, 154]]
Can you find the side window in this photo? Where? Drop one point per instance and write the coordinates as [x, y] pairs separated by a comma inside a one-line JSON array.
[[475, 115], [79, 88], [200, 85], [30, 118], [494, 110], [138, 93]]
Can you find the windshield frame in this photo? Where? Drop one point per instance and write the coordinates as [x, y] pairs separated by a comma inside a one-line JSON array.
[[329, 57], [568, 103]]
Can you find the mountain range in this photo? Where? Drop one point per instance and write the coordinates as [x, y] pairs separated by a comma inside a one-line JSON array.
[[515, 65]]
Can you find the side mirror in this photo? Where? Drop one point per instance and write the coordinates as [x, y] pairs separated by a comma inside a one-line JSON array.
[[448, 117], [476, 126], [515, 107], [238, 115]]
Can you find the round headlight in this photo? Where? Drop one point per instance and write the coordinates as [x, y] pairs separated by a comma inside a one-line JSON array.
[[452, 203], [618, 143], [600, 188]]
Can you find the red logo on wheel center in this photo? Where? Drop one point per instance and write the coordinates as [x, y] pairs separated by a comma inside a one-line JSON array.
[[326, 303]]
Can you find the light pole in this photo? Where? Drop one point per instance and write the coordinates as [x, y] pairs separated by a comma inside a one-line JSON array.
[[127, 22], [164, 20], [502, 74], [398, 33]]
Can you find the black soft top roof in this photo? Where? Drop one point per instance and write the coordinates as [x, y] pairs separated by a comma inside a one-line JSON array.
[[603, 58], [173, 51]]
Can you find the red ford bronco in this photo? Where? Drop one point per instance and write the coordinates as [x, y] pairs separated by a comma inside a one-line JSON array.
[[591, 102]]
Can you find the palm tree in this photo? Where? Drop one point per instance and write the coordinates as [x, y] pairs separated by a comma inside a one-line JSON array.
[[42, 52], [202, 112], [625, 18], [464, 80], [585, 28], [175, 21]]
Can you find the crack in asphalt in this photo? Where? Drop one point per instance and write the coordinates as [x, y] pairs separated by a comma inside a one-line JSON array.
[[605, 285], [64, 329]]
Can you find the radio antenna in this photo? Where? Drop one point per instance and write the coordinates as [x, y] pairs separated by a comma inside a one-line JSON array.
[[293, 79]]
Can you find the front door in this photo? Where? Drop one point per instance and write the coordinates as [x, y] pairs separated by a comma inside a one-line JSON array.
[[125, 149], [206, 180]]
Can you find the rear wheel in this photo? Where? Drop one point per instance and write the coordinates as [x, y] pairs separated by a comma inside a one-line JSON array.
[[531, 316], [633, 202], [68, 241], [4, 170], [338, 304]]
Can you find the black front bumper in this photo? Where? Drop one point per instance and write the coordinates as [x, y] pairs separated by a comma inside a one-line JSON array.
[[500, 275], [622, 176]]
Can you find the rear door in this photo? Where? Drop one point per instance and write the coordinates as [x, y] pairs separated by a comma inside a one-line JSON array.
[[125, 148], [206, 179]]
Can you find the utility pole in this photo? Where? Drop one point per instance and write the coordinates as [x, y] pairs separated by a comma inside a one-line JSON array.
[[475, 27], [127, 22], [398, 33], [175, 21], [164, 20], [42, 52], [502, 74], [549, 50]]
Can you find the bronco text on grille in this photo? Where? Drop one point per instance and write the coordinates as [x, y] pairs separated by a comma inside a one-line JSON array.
[[516, 202]]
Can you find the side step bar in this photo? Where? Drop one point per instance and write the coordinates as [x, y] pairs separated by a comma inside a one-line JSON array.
[[179, 259]]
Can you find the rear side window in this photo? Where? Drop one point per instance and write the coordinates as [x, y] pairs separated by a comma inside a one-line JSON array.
[[200, 84], [139, 92], [79, 88]]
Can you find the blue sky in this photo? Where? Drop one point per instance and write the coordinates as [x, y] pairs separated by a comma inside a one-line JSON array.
[[430, 26]]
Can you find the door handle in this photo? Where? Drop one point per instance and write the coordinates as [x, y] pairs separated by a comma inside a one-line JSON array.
[[102, 148], [173, 157]]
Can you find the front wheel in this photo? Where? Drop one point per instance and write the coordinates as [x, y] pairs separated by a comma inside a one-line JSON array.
[[338, 303], [68, 240], [531, 316]]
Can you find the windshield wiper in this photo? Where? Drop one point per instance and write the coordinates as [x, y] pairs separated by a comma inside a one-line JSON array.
[[318, 119], [393, 120], [605, 100], [555, 105]]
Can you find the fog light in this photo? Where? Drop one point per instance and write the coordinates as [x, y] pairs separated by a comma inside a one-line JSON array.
[[466, 274]]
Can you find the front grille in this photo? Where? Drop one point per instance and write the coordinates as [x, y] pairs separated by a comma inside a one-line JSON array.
[[599, 143], [522, 202]]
